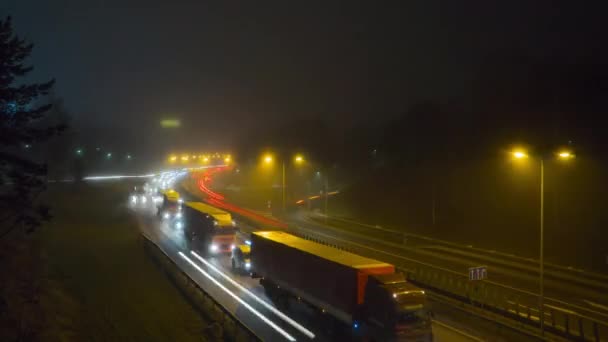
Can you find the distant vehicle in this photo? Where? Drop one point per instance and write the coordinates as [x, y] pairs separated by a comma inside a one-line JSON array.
[[241, 258], [138, 196], [170, 205], [210, 229], [363, 296]]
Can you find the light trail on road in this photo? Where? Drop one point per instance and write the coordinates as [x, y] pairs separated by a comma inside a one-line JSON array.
[[117, 177], [258, 299], [237, 298]]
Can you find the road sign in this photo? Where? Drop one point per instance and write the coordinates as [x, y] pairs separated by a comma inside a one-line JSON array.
[[478, 273]]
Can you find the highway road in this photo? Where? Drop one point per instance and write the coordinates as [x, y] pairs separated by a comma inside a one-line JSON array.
[[564, 287], [448, 325]]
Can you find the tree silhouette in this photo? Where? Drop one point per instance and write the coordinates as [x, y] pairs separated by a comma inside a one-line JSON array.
[[22, 179]]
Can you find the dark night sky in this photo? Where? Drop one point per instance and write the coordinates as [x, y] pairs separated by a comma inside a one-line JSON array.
[[235, 65]]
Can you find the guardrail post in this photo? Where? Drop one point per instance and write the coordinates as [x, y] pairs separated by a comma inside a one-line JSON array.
[[530, 314], [581, 328], [567, 324], [552, 317], [596, 332]]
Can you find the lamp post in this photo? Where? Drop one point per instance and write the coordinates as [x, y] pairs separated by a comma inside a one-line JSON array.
[[269, 159], [563, 155]]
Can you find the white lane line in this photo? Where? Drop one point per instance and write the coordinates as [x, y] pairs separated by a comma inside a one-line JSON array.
[[596, 305], [458, 331], [231, 294], [284, 317]]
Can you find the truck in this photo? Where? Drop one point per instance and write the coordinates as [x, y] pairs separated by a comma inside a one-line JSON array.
[[208, 228], [170, 205], [240, 259], [364, 297]]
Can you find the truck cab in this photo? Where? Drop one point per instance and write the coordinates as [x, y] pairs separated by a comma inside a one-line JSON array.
[[170, 205], [397, 308], [241, 258]]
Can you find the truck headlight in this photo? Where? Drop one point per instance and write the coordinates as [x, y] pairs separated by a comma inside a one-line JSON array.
[[213, 248], [247, 265]]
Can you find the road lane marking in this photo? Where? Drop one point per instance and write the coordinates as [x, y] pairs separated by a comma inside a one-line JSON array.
[[231, 294], [458, 331], [284, 317]]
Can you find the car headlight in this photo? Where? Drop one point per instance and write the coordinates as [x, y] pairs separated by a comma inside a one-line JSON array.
[[233, 223], [180, 201], [178, 215], [166, 215], [213, 248], [179, 225], [143, 199], [215, 223], [232, 246], [247, 265], [133, 199]]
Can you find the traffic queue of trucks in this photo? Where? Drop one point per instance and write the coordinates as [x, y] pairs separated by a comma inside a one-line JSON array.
[[365, 296]]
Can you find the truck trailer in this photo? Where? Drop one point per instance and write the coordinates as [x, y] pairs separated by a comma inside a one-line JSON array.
[[364, 296], [210, 229]]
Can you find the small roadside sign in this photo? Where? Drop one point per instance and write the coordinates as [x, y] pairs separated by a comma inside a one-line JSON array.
[[478, 273]]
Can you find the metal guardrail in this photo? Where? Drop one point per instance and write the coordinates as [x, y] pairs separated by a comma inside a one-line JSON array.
[[495, 298], [569, 273], [230, 327]]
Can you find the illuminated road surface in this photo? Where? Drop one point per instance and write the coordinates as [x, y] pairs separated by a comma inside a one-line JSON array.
[[258, 312]]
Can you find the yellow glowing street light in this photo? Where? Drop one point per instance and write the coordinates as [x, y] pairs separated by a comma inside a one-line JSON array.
[[185, 157], [227, 159], [172, 158], [206, 159], [562, 155], [518, 154], [268, 159]]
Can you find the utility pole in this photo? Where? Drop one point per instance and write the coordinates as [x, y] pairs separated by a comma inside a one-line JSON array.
[[541, 298], [283, 187], [326, 195]]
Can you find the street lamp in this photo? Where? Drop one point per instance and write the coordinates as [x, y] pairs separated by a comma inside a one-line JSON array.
[[269, 159], [562, 155]]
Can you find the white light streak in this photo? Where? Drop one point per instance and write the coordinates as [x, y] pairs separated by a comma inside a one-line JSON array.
[[284, 317], [231, 294]]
